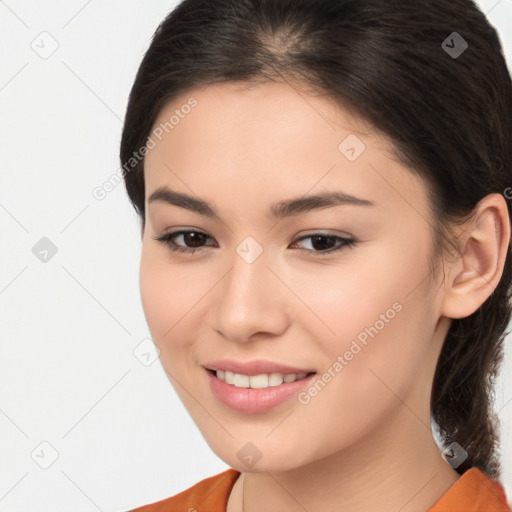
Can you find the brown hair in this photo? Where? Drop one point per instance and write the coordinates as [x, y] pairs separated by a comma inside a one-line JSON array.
[[449, 117]]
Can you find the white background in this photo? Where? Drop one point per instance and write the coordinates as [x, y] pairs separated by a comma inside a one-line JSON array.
[[68, 374]]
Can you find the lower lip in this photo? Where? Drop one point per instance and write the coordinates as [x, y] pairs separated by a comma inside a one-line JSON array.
[[255, 401]]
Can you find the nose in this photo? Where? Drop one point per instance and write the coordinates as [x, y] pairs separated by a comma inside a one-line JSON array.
[[250, 302]]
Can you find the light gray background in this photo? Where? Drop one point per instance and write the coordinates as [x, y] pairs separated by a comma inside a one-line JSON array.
[[69, 327]]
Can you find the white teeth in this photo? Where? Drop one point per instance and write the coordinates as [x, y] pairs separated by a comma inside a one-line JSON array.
[[275, 379], [241, 381], [261, 381]]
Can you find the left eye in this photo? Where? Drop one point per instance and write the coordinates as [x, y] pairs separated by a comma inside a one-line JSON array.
[[319, 241]]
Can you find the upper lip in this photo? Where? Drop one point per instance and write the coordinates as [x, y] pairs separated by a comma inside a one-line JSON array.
[[255, 367]]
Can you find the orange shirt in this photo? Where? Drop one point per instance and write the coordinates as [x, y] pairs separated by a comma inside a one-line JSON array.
[[472, 492]]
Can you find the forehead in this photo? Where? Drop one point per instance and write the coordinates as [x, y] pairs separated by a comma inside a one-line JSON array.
[[272, 137], [253, 107]]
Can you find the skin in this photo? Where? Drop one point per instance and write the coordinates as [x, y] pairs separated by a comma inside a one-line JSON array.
[[364, 442]]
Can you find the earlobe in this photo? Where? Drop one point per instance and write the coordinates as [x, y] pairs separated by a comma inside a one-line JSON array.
[[474, 275]]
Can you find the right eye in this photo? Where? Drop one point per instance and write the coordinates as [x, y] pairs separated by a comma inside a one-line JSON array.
[[195, 238]]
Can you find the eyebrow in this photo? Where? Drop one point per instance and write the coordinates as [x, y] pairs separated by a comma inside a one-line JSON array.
[[287, 208]]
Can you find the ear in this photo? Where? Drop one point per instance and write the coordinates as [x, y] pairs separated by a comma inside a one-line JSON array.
[[475, 273]]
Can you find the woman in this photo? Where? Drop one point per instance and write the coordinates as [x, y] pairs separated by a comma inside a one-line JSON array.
[[325, 262]]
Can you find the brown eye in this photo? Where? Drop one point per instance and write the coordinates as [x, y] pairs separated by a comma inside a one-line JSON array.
[[193, 240], [323, 243]]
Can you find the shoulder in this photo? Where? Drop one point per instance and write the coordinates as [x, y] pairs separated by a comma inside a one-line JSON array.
[[208, 495], [474, 491]]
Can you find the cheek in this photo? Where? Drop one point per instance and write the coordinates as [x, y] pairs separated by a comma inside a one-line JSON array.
[[167, 296], [374, 322], [344, 298], [366, 375]]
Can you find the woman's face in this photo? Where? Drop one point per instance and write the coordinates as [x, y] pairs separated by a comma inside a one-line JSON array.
[[274, 288]]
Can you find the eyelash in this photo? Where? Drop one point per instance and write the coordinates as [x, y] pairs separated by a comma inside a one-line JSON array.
[[171, 245]]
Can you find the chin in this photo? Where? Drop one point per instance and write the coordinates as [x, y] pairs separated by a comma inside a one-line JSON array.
[[258, 456]]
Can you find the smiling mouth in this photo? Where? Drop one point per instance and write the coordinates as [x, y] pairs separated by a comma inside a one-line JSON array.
[[261, 381]]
